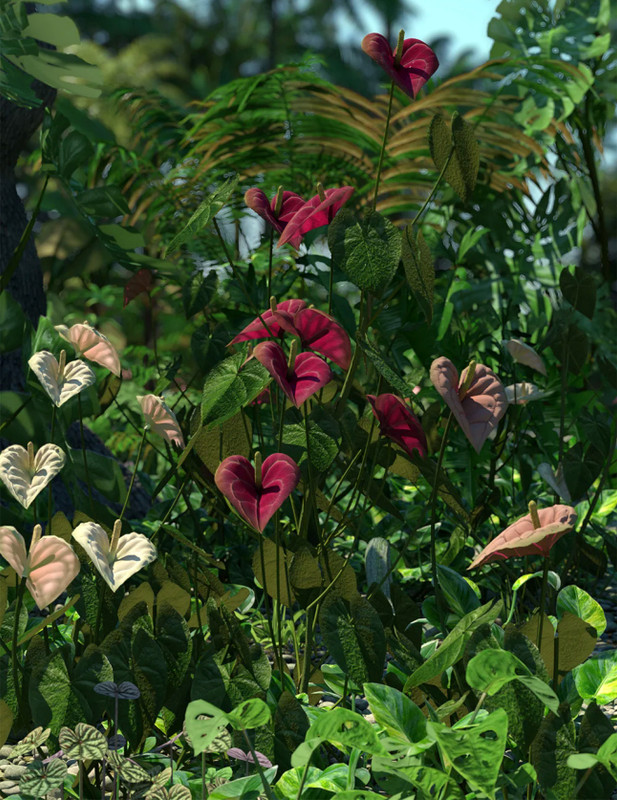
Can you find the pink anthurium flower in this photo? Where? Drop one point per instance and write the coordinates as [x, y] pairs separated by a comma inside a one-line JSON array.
[[48, 567], [92, 345], [412, 70], [288, 203], [257, 330], [398, 423], [478, 401], [26, 473], [60, 380], [533, 534], [316, 212], [160, 419], [116, 559], [256, 494], [299, 378]]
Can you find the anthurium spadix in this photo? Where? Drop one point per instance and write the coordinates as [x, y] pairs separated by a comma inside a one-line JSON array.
[[478, 400], [49, 566], [299, 376], [398, 423], [60, 380], [533, 534], [161, 419], [26, 473], [257, 493], [91, 344], [116, 559]]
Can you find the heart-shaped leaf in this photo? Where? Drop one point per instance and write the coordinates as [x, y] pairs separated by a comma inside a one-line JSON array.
[[85, 743], [523, 354], [525, 538], [91, 344], [49, 567], [117, 560], [40, 779], [26, 473], [160, 419], [203, 722], [33, 740], [367, 250], [477, 403], [121, 691], [61, 381], [257, 500], [308, 375], [398, 423]]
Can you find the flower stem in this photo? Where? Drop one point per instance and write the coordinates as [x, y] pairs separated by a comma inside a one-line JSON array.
[[383, 145], [542, 603], [128, 494], [18, 605], [433, 500], [49, 497], [83, 452]]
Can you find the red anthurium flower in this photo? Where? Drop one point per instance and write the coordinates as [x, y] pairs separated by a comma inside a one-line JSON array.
[[317, 211], [322, 333], [308, 374], [532, 535], [418, 62], [478, 400], [257, 330], [256, 494], [398, 423], [290, 203]]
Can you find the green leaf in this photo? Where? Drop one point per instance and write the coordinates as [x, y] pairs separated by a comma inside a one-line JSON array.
[[344, 728], [419, 269], [469, 241], [367, 250], [453, 646], [596, 679], [85, 743], [579, 289], [324, 439], [59, 31], [250, 714], [582, 605], [208, 208], [273, 573], [230, 386], [384, 368], [377, 563], [461, 147], [354, 635], [458, 594], [549, 753], [13, 325], [247, 788], [203, 722], [60, 70], [490, 670], [197, 292], [475, 752], [50, 692], [75, 151], [102, 201], [40, 779], [121, 236], [395, 712]]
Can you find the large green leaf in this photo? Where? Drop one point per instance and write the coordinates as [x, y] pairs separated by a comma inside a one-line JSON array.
[[40, 779], [579, 289], [549, 753], [476, 751], [419, 270], [324, 440], [85, 743], [208, 208], [230, 386], [578, 602], [456, 152], [49, 692], [368, 250], [354, 635], [203, 722], [395, 712], [596, 679]]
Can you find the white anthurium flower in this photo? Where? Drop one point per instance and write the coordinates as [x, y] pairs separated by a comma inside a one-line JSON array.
[[118, 559], [26, 473], [555, 480], [91, 344], [521, 393], [49, 566], [160, 419], [524, 354], [60, 380]]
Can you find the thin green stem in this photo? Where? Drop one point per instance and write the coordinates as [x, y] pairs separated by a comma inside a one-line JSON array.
[[433, 190], [18, 604], [543, 593], [83, 452], [128, 494], [433, 500], [170, 509], [479, 705], [303, 781], [50, 496], [270, 262], [308, 644], [383, 145], [259, 768]]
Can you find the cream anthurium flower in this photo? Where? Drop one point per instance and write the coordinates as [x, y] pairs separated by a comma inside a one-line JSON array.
[[118, 559], [160, 418], [60, 380], [49, 566], [91, 344], [25, 474]]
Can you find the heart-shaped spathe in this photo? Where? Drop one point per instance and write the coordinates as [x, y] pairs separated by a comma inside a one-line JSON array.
[[398, 423], [49, 567], [60, 380], [257, 500], [523, 538], [161, 419], [308, 375], [91, 344], [477, 407], [318, 211], [117, 560], [524, 354], [257, 330], [26, 473], [322, 333]]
